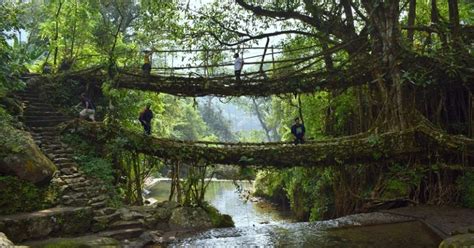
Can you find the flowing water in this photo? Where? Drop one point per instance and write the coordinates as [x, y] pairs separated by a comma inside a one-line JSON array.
[[261, 225], [224, 196]]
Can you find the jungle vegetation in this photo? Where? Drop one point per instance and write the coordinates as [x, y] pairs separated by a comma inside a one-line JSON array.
[[417, 55]]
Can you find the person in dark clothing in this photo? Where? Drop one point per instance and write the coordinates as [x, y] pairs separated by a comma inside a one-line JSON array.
[[298, 131], [47, 68], [145, 119]]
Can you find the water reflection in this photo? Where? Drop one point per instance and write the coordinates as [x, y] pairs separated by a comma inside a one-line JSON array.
[[223, 195], [317, 234]]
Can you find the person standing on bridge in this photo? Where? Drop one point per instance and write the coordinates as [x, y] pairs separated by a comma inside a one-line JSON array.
[[238, 64], [298, 131], [146, 67], [145, 119]]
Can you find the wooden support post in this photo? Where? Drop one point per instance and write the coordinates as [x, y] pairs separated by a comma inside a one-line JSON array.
[[172, 64], [263, 56], [273, 61], [206, 64]]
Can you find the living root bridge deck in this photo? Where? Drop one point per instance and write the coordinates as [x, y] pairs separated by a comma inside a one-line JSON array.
[[228, 86], [363, 148]]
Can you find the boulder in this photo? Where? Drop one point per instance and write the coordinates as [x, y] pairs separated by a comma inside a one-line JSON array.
[[189, 218], [458, 241], [163, 210], [47, 223], [22, 158], [4, 241]]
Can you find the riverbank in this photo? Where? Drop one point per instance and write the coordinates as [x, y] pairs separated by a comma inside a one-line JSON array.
[[418, 226]]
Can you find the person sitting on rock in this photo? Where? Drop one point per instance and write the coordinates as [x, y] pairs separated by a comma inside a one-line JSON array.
[[89, 108], [146, 67], [298, 131], [145, 119]]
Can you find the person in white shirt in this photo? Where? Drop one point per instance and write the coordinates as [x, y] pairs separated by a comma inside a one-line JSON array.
[[238, 64]]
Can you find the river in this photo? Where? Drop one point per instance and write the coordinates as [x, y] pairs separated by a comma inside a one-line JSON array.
[[258, 225]]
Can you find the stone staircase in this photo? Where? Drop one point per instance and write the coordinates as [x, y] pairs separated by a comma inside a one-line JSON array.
[[77, 189]]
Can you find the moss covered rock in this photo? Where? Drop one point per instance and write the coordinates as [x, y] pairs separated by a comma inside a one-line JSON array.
[[458, 241], [190, 218], [22, 158]]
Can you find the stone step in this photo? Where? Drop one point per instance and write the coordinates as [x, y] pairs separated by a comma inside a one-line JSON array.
[[29, 97], [106, 219], [63, 160], [57, 149], [66, 165], [98, 205], [47, 115], [38, 108], [75, 202], [33, 113], [125, 224], [44, 123], [26, 94], [52, 138], [94, 189], [55, 146], [54, 155], [69, 170], [74, 180], [38, 105], [74, 175], [122, 233], [73, 196], [42, 129], [104, 211], [99, 198], [43, 120]]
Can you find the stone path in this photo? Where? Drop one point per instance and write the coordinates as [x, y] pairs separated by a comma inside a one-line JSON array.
[[445, 221], [77, 189]]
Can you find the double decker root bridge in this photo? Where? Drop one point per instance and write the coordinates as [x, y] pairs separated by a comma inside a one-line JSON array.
[[421, 142], [296, 75]]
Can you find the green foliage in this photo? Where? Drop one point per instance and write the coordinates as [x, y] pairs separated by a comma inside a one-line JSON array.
[[308, 191], [216, 122], [401, 181], [466, 188], [9, 66], [97, 167], [22, 196], [269, 184], [13, 140]]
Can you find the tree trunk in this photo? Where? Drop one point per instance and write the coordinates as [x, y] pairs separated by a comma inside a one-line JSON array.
[[435, 20], [385, 20], [261, 120], [56, 34], [411, 21], [454, 21]]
